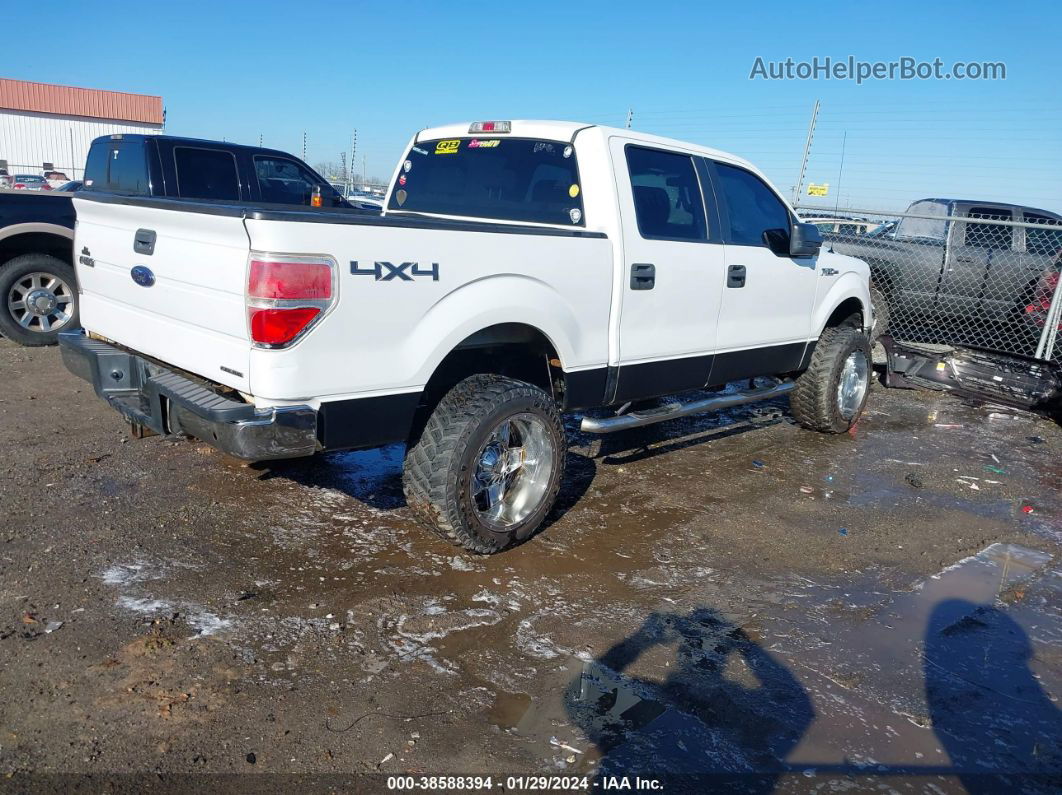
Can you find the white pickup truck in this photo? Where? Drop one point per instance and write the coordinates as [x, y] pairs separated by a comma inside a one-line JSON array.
[[520, 269]]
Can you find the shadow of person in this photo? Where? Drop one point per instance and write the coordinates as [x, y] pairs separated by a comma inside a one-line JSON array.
[[724, 717], [990, 713]]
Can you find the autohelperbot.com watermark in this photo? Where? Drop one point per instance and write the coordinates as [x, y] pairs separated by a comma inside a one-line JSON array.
[[851, 68]]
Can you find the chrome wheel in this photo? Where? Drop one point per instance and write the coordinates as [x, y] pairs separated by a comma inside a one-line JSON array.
[[513, 470], [853, 383], [41, 302]]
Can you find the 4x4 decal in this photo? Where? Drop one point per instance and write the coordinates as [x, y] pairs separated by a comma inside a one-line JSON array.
[[386, 271]]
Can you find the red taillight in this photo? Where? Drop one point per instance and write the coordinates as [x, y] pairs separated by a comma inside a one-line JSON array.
[[286, 296], [1041, 305], [46, 186], [279, 326], [290, 281]]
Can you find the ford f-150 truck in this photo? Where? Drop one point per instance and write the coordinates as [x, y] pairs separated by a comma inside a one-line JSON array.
[[38, 291], [521, 269]]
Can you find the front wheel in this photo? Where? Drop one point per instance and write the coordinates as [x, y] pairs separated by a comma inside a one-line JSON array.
[[831, 394], [881, 312], [486, 470], [38, 299]]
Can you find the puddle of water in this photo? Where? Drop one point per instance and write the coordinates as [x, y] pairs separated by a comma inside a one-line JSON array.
[[846, 699], [509, 709], [870, 681]]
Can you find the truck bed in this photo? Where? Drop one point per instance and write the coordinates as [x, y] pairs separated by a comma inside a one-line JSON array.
[[409, 290]]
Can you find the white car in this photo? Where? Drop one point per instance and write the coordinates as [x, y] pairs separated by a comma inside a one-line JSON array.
[[520, 270]]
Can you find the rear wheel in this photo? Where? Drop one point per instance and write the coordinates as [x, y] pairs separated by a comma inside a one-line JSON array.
[[831, 394], [487, 467], [38, 299]]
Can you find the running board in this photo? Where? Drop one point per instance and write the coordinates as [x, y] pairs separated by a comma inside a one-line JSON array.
[[637, 419]]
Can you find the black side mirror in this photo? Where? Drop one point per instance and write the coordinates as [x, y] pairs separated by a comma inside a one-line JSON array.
[[805, 240], [777, 240]]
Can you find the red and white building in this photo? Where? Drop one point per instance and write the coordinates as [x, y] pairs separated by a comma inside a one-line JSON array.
[[44, 123]]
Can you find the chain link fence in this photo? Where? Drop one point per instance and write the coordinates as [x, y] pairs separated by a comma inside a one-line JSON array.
[[953, 273]]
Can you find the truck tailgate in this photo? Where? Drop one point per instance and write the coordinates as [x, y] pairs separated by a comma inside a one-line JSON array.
[[186, 305]]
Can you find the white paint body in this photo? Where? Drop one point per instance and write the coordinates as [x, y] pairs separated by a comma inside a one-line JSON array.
[[387, 337]]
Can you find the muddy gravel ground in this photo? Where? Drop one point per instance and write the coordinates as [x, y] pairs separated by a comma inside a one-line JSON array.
[[726, 602]]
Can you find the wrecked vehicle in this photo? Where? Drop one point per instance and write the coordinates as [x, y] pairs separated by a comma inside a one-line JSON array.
[[520, 270], [1019, 381], [962, 271]]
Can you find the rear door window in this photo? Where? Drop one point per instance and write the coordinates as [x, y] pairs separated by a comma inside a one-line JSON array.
[[206, 173], [667, 195], [1046, 242], [991, 236], [510, 179], [753, 208]]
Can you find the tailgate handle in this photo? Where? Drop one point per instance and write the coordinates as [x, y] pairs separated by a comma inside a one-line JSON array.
[[144, 241]]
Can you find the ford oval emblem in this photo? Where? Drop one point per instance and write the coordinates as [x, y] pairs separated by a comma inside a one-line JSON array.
[[142, 275]]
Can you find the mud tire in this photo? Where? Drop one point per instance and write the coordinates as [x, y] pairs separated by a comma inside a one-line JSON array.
[[440, 464], [814, 400]]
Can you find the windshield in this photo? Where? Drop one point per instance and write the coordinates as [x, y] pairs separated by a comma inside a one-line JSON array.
[[924, 228], [513, 179]]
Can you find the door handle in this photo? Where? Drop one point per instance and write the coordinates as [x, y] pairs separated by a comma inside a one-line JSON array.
[[735, 276], [144, 241], [643, 276]]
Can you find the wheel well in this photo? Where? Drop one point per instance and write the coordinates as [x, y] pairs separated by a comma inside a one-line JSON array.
[[37, 243], [844, 310], [512, 349]]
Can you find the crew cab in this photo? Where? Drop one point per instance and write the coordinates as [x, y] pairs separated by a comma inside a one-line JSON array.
[[38, 291], [520, 270]]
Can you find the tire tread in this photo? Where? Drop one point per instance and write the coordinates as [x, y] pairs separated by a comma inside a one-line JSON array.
[[431, 464], [812, 400]]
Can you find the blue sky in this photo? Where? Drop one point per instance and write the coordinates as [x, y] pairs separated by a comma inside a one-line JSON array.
[[276, 69]]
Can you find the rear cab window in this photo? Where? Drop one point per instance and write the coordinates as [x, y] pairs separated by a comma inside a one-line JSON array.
[[499, 178], [667, 195], [117, 166], [204, 173]]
